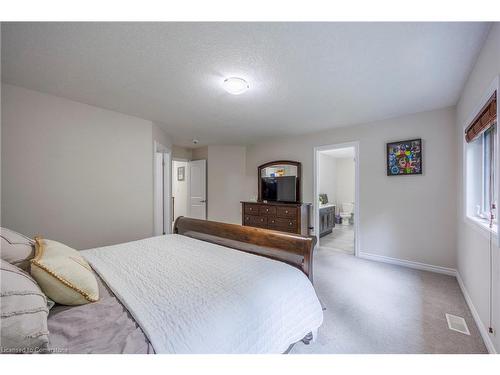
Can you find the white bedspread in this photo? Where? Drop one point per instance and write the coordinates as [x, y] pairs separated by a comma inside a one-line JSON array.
[[191, 296]]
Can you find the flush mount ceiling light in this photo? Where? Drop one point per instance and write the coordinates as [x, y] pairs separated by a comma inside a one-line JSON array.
[[235, 85]]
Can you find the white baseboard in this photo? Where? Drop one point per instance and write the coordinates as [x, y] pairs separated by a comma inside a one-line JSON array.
[[482, 329], [409, 263]]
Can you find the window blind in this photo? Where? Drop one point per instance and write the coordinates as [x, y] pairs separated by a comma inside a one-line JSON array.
[[486, 118]]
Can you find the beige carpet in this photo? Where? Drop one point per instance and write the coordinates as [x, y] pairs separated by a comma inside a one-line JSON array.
[[373, 307]]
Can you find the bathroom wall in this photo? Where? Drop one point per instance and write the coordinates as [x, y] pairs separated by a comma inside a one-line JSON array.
[[327, 177], [345, 181]]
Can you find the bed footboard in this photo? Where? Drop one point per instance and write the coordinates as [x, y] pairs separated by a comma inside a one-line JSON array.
[[290, 248]]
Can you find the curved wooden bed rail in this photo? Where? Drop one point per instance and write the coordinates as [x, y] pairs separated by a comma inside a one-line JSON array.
[[290, 248]]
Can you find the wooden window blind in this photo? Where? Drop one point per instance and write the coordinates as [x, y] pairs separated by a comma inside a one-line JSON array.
[[485, 119]]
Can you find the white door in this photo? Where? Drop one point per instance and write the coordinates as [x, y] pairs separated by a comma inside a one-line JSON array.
[[198, 189]]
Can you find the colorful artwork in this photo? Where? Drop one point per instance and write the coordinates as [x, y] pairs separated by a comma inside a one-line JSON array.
[[404, 157]]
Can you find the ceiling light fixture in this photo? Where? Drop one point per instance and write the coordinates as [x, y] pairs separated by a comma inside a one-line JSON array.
[[235, 85]]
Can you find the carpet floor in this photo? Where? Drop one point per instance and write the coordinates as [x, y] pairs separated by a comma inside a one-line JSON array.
[[374, 307]]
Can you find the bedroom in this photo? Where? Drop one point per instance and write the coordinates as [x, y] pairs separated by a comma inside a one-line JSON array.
[[126, 144]]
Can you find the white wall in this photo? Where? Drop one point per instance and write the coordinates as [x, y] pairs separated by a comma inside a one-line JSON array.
[[226, 180], [327, 177], [159, 135], [345, 181], [200, 153], [1, 121], [182, 152], [395, 212], [180, 189], [473, 247], [73, 172]]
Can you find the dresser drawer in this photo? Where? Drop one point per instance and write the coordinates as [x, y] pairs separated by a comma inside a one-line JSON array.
[[255, 221], [267, 210], [283, 217], [279, 223], [252, 209], [286, 212]]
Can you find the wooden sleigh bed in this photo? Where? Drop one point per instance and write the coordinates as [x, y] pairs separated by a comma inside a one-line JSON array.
[[289, 248], [199, 290]]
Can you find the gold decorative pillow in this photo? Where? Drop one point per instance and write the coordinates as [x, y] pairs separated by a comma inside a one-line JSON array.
[[62, 273]]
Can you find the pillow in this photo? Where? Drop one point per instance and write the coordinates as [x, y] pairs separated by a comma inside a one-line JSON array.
[[23, 312], [62, 273], [16, 248]]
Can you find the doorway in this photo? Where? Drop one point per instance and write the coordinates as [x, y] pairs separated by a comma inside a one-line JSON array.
[[337, 197], [189, 189], [180, 188]]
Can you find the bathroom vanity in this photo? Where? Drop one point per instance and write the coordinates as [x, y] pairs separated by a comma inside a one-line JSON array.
[[326, 219]]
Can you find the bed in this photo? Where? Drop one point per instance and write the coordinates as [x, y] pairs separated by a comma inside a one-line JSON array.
[[208, 288]]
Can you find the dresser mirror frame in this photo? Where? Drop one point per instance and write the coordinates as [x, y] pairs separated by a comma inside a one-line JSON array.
[[297, 164]]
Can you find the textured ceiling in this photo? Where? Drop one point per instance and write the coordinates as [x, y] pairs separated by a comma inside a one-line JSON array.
[[303, 77]]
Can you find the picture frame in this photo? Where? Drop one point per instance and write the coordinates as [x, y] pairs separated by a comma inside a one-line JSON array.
[[181, 173], [404, 158]]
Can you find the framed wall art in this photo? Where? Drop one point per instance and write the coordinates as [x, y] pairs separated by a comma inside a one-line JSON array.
[[404, 157], [181, 173]]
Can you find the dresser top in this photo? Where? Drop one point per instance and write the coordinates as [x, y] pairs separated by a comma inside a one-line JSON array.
[[276, 203]]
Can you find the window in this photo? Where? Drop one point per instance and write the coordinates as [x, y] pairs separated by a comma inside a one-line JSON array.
[[489, 200], [481, 156]]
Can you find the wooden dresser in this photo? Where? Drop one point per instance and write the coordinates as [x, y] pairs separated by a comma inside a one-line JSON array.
[[284, 217]]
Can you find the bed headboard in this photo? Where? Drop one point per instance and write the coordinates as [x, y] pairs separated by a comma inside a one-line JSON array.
[[290, 248]]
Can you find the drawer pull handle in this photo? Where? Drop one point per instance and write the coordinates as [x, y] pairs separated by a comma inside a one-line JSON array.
[[261, 220], [291, 223], [286, 211]]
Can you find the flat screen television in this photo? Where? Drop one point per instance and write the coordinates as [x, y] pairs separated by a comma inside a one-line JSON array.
[[279, 189]]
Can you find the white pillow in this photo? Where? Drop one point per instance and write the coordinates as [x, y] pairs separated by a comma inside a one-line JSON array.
[[23, 312], [16, 248], [63, 274]]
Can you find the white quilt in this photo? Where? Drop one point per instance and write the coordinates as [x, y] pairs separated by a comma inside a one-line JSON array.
[[191, 296]]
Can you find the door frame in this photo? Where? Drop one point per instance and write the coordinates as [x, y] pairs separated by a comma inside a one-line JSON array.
[[162, 191], [317, 151]]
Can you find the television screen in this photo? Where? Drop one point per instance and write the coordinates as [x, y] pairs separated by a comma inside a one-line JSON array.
[[269, 189], [279, 189]]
